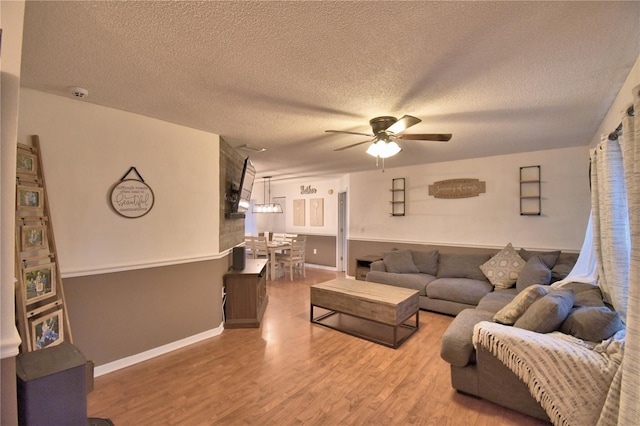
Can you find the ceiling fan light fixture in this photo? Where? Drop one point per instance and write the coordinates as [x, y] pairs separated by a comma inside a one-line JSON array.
[[383, 149]]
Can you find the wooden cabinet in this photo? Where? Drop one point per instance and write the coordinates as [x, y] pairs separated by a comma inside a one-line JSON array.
[[246, 295], [363, 265]]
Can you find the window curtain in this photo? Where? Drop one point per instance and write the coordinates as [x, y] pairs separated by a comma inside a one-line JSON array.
[[629, 411], [622, 406], [610, 219]]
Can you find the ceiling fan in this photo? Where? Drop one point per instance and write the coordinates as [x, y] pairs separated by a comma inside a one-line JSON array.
[[389, 129]]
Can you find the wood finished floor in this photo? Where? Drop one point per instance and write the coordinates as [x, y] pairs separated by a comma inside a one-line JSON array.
[[290, 371]]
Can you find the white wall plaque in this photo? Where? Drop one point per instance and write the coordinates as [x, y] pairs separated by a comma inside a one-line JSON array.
[[132, 198]]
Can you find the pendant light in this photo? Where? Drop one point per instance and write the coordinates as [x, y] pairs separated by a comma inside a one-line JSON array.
[[270, 207]]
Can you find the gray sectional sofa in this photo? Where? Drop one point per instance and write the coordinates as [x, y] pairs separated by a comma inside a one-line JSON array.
[[479, 373], [451, 282], [474, 288]]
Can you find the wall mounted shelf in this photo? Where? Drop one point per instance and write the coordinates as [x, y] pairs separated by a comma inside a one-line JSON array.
[[397, 197], [530, 191]]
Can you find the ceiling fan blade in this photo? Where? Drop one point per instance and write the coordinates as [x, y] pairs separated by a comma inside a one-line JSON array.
[[438, 137], [403, 124], [351, 146], [348, 133]]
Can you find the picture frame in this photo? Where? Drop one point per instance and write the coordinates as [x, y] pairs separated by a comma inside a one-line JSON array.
[[298, 212], [33, 238], [47, 330], [39, 282], [316, 212], [26, 163], [29, 197]]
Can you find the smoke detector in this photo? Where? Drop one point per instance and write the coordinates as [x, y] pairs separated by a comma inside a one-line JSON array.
[[79, 92]]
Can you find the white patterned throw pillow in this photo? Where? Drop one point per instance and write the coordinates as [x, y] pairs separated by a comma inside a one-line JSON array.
[[502, 270]]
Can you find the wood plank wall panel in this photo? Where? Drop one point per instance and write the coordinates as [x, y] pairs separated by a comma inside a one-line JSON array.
[[231, 163]]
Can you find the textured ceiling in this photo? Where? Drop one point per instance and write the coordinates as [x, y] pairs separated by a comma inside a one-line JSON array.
[[503, 77]]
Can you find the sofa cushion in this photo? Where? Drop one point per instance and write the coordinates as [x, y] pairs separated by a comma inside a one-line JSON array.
[[592, 323], [503, 269], [460, 265], [535, 271], [461, 290], [519, 305], [548, 257], [411, 281], [399, 261], [547, 313], [563, 266], [497, 300], [426, 261], [377, 265], [584, 294], [457, 341]]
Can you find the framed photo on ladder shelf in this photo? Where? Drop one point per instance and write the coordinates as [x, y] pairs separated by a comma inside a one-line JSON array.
[[33, 238], [39, 282], [47, 330], [29, 198]]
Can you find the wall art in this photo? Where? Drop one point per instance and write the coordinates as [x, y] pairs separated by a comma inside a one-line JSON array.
[[298, 212], [132, 198], [457, 188], [316, 213]]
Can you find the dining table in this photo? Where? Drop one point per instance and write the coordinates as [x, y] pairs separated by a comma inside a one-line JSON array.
[[274, 248]]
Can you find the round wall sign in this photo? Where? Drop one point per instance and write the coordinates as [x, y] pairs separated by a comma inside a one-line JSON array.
[[132, 198]]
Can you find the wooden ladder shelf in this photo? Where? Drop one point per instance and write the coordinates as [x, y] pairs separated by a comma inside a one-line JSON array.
[[41, 314]]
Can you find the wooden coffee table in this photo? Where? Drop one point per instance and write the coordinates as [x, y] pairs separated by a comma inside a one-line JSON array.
[[375, 312]]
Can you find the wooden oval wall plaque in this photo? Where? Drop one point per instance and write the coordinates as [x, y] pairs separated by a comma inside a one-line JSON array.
[[132, 198], [457, 188]]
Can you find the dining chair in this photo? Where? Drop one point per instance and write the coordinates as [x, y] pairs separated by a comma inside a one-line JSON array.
[[278, 236], [294, 257], [289, 237], [249, 246], [262, 252], [260, 247]]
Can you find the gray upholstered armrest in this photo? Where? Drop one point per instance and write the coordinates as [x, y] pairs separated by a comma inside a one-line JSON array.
[[378, 265], [457, 340]]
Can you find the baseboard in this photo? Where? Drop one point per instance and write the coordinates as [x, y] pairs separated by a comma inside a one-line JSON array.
[[328, 268], [152, 353]]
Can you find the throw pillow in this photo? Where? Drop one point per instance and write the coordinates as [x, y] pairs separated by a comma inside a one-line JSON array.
[[547, 314], [535, 271], [563, 266], [426, 261], [461, 265], [548, 257], [399, 261], [518, 306], [592, 323], [503, 269], [584, 294]]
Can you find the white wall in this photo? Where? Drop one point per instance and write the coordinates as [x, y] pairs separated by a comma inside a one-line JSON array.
[[490, 220], [87, 148], [291, 190]]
